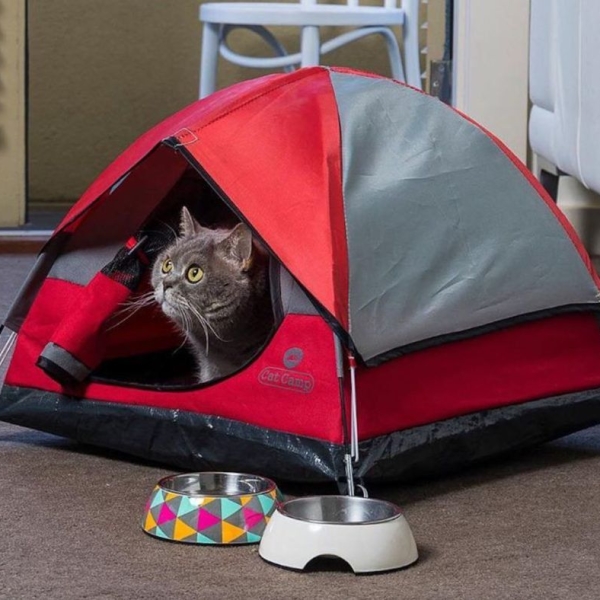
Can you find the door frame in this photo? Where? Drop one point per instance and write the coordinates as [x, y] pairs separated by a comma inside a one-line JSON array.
[[13, 113], [491, 67]]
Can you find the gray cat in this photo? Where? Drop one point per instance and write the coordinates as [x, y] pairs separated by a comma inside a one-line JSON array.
[[213, 284]]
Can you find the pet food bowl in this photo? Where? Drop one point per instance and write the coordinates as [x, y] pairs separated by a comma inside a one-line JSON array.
[[210, 508], [370, 535]]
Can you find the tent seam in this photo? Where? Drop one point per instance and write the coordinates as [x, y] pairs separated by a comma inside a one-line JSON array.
[[339, 123], [481, 330]]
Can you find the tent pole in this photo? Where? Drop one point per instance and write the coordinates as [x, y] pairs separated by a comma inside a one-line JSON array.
[[340, 367], [349, 474], [7, 346], [353, 409], [351, 455]]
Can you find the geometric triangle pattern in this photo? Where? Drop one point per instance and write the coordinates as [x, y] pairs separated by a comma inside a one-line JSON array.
[[208, 519], [229, 507]]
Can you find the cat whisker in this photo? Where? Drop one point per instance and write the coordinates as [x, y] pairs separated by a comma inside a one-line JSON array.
[[170, 228], [205, 322], [161, 231], [145, 299], [131, 307], [186, 327], [185, 319], [158, 239], [201, 320]]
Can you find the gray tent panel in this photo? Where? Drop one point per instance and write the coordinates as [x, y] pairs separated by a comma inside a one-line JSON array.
[[293, 299], [444, 233]]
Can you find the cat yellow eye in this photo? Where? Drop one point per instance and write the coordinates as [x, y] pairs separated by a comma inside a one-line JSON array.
[[194, 274], [167, 266]]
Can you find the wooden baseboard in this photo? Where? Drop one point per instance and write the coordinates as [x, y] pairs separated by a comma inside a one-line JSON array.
[[30, 244]]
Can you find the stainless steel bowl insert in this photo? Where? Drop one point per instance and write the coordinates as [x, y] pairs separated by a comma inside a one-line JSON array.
[[341, 510], [216, 484]]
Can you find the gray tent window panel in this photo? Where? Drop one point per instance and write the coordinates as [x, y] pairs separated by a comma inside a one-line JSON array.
[[444, 233], [116, 217], [24, 299], [79, 265], [293, 299]]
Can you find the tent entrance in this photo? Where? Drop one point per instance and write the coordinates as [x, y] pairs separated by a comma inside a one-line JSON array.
[[114, 332], [167, 361], [167, 369]]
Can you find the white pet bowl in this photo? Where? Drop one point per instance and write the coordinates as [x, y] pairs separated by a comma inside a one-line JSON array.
[[370, 535]]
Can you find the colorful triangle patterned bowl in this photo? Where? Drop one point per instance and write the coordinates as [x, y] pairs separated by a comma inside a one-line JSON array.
[[211, 508]]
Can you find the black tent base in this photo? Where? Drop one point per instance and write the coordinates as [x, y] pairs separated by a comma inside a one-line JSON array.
[[183, 440], [190, 441], [447, 446]]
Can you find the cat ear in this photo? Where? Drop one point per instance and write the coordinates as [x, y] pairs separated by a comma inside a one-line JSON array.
[[239, 245], [188, 225]]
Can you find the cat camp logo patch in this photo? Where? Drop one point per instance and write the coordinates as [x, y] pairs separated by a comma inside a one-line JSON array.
[[292, 358], [287, 378]]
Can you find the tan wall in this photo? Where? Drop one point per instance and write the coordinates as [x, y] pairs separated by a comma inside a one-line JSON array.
[[12, 112], [101, 73]]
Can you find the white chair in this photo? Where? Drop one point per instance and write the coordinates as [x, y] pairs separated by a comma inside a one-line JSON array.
[[220, 18]]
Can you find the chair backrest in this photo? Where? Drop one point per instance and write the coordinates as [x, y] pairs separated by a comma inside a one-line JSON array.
[[386, 3]]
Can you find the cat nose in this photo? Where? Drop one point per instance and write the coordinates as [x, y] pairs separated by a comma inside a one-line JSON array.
[[167, 285]]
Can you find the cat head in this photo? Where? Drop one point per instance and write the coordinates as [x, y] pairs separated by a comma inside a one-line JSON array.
[[205, 275]]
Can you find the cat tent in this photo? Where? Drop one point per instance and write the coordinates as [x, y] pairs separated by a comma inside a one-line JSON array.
[[433, 306]]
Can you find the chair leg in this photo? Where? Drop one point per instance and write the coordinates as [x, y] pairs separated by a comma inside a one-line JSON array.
[[412, 60], [391, 43], [310, 47], [209, 58], [549, 182]]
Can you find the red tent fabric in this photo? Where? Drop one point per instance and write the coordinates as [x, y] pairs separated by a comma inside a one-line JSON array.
[[402, 236]]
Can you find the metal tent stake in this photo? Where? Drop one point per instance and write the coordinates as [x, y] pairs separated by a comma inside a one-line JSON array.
[[349, 474]]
